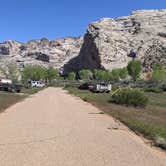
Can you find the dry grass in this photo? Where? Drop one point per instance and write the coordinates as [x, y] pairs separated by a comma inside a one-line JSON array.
[[8, 99]]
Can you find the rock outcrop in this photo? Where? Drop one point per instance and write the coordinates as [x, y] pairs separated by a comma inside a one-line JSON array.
[[40, 52], [108, 44], [112, 43]]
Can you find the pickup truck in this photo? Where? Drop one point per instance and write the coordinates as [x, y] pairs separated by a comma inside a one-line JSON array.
[[37, 84], [102, 88]]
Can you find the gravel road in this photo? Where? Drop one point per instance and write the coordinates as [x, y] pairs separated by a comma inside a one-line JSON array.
[[53, 128]]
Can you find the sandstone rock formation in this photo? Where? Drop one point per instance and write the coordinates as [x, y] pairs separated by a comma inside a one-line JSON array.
[[108, 44], [111, 43], [40, 52]]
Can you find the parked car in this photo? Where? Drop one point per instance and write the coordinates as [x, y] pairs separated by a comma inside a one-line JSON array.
[[37, 84], [8, 85], [86, 86], [102, 88], [13, 87]]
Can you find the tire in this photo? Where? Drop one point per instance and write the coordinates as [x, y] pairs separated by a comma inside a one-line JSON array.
[[18, 91], [13, 90]]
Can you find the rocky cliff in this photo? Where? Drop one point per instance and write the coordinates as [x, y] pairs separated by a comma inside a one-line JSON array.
[[40, 52], [108, 44], [111, 43]]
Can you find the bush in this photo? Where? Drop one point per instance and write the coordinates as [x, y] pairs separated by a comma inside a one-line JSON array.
[[72, 76], [115, 87], [159, 73], [153, 89], [130, 97], [134, 69]]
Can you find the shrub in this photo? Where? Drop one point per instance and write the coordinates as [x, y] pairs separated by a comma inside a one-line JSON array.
[[153, 89], [72, 76], [129, 97], [123, 73], [115, 87], [159, 73], [134, 69]]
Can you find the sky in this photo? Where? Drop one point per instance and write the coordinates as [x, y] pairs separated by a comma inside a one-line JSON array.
[[24, 20]]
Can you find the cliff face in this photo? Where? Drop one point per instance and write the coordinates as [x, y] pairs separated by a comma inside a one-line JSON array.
[[40, 52], [108, 44], [111, 43]]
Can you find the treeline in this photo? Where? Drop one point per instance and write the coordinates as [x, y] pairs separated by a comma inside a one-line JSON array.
[[133, 70], [37, 73]]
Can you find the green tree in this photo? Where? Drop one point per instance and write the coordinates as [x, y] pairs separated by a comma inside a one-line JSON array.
[[51, 74], [159, 73], [134, 69], [115, 74], [123, 73], [34, 73], [102, 75], [85, 74], [72, 76]]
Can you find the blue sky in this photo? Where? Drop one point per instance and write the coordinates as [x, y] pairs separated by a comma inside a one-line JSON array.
[[24, 20]]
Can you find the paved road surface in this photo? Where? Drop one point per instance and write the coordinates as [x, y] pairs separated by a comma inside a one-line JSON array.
[[52, 128]]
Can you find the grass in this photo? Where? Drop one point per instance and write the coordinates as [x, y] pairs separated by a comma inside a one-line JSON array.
[[149, 122], [8, 99], [157, 99], [30, 91]]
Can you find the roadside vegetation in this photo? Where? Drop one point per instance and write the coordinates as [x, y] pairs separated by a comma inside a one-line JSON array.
[[31, 91], [8, 99]]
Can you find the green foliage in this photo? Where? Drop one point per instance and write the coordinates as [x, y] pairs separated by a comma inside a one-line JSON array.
[[34, 73], [159, 73], [123, 73], [72, 76], [115, 74], [134, 69], [51, 74], [115, 87], [153, 89], [129, 97], [85, 74], [102, 75], [37, 73]]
